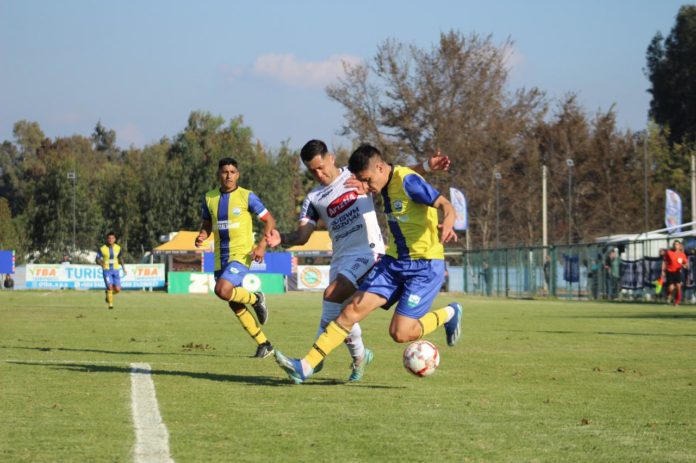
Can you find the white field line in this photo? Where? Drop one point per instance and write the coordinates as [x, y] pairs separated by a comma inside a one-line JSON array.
[[151, 436]]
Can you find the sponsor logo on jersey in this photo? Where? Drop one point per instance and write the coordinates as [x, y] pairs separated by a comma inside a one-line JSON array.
[[341, 203], [227, 225], [236, 211], [413, 300], [398, 206], [339, 236]]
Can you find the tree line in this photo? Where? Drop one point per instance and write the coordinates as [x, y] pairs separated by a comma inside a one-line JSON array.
[[409, 102], [140, 194]]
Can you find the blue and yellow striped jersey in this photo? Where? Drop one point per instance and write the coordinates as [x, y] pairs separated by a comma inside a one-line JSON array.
[[412, 219], [109, 257], [230, 215]]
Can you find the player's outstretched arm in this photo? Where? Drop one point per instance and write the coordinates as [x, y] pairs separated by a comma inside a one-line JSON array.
[[447, 226], [437, 162], [297, 237]]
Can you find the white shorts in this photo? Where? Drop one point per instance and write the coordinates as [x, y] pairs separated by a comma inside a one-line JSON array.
[[353, 267]]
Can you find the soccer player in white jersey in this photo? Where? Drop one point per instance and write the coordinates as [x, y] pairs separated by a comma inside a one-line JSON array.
[[356, 238]]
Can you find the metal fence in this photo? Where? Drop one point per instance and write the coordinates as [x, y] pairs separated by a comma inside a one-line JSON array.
[[620, 270]]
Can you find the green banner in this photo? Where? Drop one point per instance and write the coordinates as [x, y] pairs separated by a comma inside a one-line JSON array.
[[197, 283]]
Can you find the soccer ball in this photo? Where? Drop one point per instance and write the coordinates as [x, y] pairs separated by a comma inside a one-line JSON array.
[[421, 358]]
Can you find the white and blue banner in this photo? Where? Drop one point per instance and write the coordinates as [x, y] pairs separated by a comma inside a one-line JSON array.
[[673, 211], [57, 276], [458, 200]]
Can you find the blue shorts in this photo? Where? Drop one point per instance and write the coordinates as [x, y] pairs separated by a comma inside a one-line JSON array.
[[112, 278], [233, 272], [413, 283]]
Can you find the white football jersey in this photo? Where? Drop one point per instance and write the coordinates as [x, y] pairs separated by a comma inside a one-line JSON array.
[[350, 218]]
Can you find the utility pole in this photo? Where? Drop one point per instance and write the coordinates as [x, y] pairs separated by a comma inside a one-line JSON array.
[[693, 189], [645, 183], [544, 210], [570, 164], [497, 209], [73, 176]]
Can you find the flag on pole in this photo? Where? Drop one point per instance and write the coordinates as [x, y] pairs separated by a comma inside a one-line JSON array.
[[458, 201], [673, 211]]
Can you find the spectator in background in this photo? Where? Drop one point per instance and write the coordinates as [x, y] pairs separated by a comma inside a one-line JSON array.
[[688, 273], [547, 272], [485, 275], [8, 283], [65, 261], [593, 277], [611, 274]]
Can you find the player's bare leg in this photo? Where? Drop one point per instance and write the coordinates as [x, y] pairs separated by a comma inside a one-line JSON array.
[[406, 329]]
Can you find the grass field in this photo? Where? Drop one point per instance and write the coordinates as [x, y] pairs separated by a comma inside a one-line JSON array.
[[530, 381]]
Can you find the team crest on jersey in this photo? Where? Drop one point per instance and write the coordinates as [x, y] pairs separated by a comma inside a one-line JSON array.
[[236, 211], [398, 206], [341, 203], [413, 300]]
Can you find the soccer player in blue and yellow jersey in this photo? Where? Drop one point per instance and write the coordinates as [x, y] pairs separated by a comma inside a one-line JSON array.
[[226, 213], [410, 274], [110, 258]]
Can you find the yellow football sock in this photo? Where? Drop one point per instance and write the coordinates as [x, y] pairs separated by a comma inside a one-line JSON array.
[[109, 296], [332, 337], [432, 320], [242, 296], [249, 324]]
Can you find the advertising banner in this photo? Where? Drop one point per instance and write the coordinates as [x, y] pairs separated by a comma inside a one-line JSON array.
[[312, 277], [461, 221], [7, 262], [57, 276], [204, 283], [673, 211]]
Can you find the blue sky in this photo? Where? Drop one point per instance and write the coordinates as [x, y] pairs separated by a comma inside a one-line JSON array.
[[142, 66]]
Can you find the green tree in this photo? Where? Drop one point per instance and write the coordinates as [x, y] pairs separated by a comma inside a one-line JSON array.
[[9, 238], [104, 140], [411, 101], [48, 217], [28, 136], [671, 68]]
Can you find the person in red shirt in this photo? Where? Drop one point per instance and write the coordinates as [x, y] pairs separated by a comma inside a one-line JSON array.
[[675, 260]]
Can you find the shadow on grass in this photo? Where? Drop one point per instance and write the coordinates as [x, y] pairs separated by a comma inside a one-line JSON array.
[[250, 380], [614, 333], [114, 352], [646, 316]]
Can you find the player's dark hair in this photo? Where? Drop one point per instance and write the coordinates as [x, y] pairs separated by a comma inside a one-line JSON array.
[[360, 158], [111, 234], [226, 162], [313, 148]]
